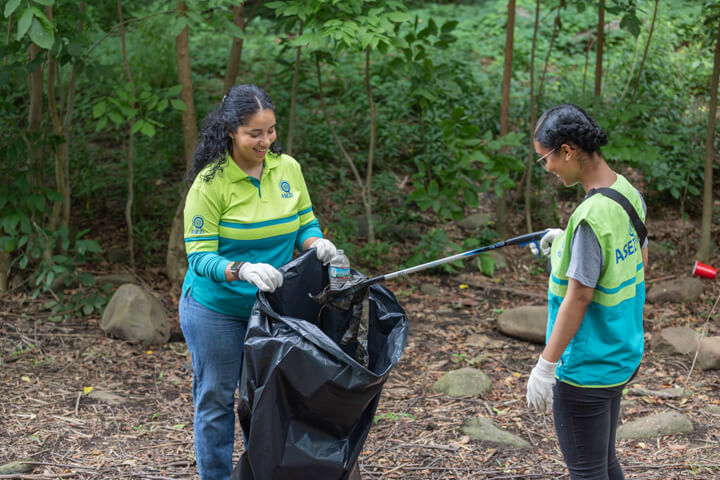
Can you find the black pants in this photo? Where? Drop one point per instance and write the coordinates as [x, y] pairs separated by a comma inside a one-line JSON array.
[[585, 421]]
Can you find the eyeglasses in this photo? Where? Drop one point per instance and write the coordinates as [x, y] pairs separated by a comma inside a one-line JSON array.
[[542, 161]]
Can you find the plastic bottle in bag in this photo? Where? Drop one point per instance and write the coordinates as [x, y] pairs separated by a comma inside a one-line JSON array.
[[339, 270]]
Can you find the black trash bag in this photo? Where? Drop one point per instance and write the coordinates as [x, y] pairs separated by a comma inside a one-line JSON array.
[[306, 404]]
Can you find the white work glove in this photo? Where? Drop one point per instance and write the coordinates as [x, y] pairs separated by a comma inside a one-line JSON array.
[[540, 384], [324, 249], [546, 241], [264, 276]]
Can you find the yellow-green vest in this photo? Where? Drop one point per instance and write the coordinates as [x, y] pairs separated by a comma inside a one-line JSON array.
[[608, 346]]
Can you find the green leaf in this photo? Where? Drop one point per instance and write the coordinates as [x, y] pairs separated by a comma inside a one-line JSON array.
[[174, 91], [137, 126], [87, 309], [162, 105], [178, 104], [99, 109], [24, 22], [148, 129], [47, 3], [116, 118], [41, 35], [10, 7], [101, 124]]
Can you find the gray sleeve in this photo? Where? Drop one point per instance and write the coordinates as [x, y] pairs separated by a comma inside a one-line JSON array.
[[586, 261], [642, 199]]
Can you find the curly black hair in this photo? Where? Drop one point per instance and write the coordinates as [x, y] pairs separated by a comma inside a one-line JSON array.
[[569, 123], [236, 108]]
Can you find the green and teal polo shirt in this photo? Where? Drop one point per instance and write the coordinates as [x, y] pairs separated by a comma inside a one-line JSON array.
[[235, 217], [609, 345]]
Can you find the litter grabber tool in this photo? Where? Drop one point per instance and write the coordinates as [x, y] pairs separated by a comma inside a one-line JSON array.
[[353, 290]]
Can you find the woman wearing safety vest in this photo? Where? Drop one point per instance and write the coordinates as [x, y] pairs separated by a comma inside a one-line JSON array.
[[594, 337]]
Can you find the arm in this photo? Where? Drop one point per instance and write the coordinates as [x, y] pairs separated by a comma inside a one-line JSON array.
[[569, 317]]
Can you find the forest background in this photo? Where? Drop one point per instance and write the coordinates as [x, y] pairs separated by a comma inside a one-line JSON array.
[[408, 117], [404, 114]]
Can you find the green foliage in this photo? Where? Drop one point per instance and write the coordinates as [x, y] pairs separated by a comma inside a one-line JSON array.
[[434, 245], [393, 417]]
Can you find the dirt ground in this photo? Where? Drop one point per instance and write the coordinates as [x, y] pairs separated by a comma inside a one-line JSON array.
[[51, 373]]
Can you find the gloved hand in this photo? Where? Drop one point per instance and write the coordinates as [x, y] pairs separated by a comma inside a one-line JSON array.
[[264, 276], [539, 388], [546, 241], [324, 249]]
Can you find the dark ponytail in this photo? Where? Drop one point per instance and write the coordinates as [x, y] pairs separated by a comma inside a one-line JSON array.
[[240, 103], [569, 123]]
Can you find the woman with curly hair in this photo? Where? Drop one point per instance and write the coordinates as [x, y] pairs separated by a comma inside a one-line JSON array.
[[247, 209], [596, 294]]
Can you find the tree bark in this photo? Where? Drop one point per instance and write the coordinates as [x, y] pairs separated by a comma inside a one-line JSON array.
[[236, 49], [371, 149], [182, 55], [599, 49], [131, 143], [35, 91], [704, 251], [293, 98], [533, 120], [647, 47], [501, 206], [176, 261], [233, 65]]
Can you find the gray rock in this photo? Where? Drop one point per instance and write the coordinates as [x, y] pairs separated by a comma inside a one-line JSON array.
[[430, 289], [527, 323], [678, 290], [133, 314], [106, 397], [498, 259], [117, 279], [17, 467], [675, 340], [475, 221], [658, 251], [463, 382], [480, 428], [477, 340], [709, 354], [657, 425], [673, 392], [713, 410]]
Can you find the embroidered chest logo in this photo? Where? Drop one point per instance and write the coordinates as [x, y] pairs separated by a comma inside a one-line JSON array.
[[197, 222], [285, 187]]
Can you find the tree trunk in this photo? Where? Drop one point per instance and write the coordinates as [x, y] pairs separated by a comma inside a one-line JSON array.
[[176, 261], [364, 195], [182, 55], [35, 90], [501, 206], [293, 98], [647, 47], [599, 49], [704, 251], [233, 65], [371, 149], [131, 143], [533, 119]]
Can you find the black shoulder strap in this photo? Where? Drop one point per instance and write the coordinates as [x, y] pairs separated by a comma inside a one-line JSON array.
[[625, 203]]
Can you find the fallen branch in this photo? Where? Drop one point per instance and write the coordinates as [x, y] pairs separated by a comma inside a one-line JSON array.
[[477, 284]]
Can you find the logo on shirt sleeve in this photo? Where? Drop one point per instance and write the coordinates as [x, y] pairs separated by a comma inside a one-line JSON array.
[[197, 222], [285, 187]]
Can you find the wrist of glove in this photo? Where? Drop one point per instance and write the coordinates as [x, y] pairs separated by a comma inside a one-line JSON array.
[[264, 276], [540, 384], [546, 241], [324, 249]]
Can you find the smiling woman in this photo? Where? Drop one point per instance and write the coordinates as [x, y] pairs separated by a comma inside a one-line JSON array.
[[596, 294], [246, 211]]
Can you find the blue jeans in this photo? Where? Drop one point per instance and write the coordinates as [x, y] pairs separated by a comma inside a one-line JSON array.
[[585, 421], [215, 341]]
